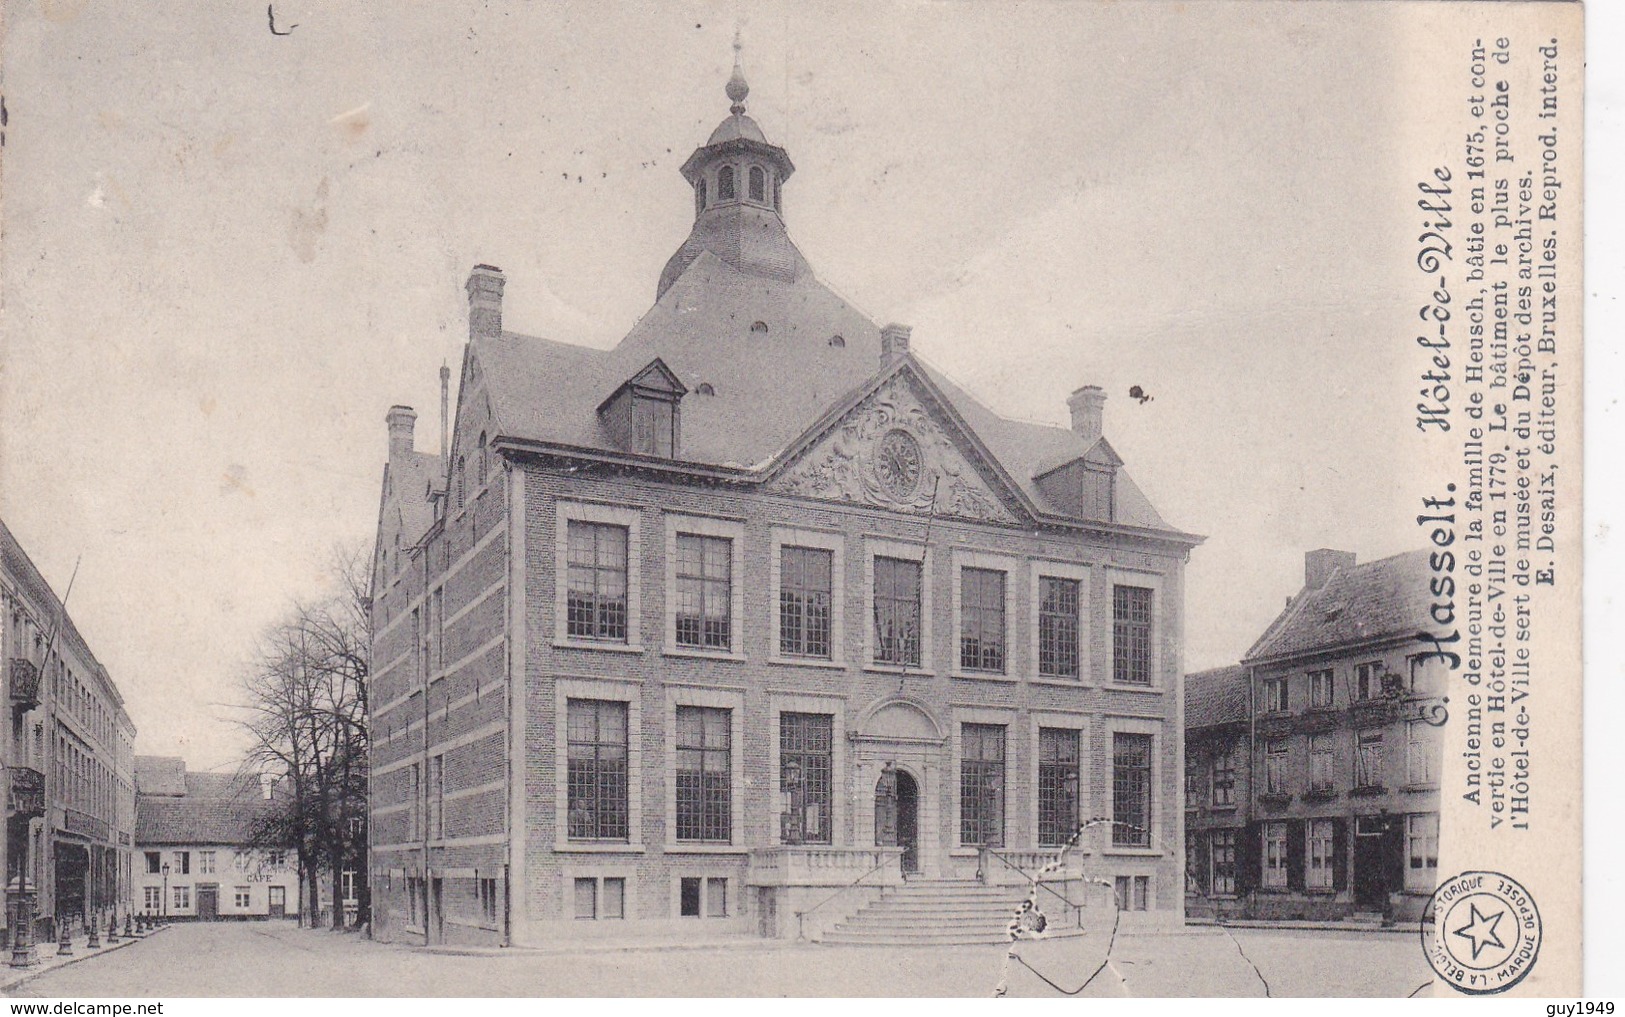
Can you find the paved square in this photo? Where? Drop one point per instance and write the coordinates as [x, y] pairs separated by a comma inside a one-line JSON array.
[[278, 959]]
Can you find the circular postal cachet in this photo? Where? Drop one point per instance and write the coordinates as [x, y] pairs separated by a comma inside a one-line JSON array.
[[1481, 932]]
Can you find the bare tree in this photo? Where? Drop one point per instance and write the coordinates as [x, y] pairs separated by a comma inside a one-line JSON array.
[[306, 714]]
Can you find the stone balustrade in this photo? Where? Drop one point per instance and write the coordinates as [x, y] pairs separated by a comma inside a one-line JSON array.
[[823, 865]]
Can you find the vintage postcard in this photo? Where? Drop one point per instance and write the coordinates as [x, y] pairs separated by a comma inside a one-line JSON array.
[[761, 499]]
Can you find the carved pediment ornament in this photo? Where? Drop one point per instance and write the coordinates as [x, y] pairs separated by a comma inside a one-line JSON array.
[[890, 453]]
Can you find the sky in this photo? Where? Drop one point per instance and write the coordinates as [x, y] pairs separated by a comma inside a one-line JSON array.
[[228, 252]]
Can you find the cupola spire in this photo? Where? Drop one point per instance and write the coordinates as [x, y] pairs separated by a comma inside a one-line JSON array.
[[738, 88]]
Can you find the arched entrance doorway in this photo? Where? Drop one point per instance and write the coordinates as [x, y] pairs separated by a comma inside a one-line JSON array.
[[897, 814]]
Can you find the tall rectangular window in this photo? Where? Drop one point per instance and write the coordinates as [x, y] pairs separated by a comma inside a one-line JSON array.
[[1320, 762], [1368, 759], [1275, 695], [981, 784], [1421, 749], [153, 863], [183, 863], [704, 778], [488, 900], [981, 620], [1131, 635], [1275, 855], [1223, 844], [1368, 680], [1318, 876], [1224, 776], [1057, 627], [805, 575], [1422, 851], [897, 611], [1059, 777], [1131, 790], [152, 897], [414, 793], [1320, 688], [704, 591], [597, 777], [1275, 757], [205, 863], [806, 773], [596, 606], [437, 797]]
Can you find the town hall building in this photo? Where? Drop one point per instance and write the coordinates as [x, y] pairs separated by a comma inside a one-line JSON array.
[[757, 610]]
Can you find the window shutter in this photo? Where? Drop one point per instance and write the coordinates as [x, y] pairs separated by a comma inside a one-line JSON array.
[[1249, 856], [1296, 847], [1340, 855]]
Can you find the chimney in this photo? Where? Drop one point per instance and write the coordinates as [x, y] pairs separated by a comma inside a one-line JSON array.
[[1088, 406], [401, 420], [1318, 566], [894, 343], [484, 288]]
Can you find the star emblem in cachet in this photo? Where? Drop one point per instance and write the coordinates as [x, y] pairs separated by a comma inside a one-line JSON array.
[[1481, 932]]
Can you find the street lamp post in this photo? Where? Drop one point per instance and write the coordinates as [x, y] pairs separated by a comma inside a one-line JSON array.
[[164, 900]]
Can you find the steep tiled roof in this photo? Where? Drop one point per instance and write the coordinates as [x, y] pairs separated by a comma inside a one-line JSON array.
[[1377, 600], [1218, 696], [160, 775], [770, 387], [215, 808]]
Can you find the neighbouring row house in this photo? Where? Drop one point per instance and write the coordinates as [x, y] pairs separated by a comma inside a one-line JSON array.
[[706, 626], [206, 845], [1312, 769], [69, 761]]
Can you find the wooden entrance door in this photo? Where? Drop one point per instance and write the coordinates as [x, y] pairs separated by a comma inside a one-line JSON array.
[[1372, 836], [897, 815], [208, 903], [908, 820], [278, 906]]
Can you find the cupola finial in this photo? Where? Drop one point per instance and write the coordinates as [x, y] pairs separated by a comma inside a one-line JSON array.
[[737, 87]]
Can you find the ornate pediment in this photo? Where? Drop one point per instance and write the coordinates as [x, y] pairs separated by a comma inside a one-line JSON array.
[[890, 452]]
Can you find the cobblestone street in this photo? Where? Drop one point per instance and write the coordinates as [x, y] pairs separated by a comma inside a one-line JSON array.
[[279, 959]]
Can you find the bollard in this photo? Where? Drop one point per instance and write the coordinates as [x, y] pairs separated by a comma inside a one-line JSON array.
[[64, 941], [93, 935], [112, 928], [128, 931]]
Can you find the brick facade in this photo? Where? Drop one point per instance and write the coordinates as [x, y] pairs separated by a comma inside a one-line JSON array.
[[674, 802]]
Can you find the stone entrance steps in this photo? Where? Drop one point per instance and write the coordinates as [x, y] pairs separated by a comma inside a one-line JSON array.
[[942, 912]]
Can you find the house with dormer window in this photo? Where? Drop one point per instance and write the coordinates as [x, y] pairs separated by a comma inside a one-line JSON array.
[[755, 609]]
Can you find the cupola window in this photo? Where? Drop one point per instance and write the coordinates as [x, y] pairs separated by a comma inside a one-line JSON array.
[[705, 389], [699, 197], [758, 184], [758, 328], [725, 183]]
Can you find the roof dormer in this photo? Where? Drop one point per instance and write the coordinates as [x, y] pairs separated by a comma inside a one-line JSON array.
[[642, 415]]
